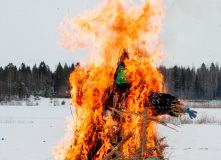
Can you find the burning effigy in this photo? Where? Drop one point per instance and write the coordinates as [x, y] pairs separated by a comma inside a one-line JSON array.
[[117, 94]]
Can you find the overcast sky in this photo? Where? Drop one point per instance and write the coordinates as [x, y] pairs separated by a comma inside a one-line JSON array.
[[29, 29]]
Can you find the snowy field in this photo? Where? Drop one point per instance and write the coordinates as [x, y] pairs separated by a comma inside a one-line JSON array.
[[195, 141], [29, 133]]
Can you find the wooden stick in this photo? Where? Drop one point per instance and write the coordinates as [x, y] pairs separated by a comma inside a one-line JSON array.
[[161, 139], [123, 102], [156, 142], [128, 136], [115, 101], [150, 150], [143, 138], [138, 114], [118, 153], [148, 117], [131, 112]]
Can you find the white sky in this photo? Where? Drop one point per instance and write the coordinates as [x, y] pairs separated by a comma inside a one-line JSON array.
[[192, 32], [29, 30]]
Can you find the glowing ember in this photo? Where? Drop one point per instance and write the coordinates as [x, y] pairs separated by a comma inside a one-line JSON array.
[[106, 31]]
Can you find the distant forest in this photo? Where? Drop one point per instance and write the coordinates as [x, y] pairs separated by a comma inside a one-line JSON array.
[[183, 82], [193, 84], [20, 83]]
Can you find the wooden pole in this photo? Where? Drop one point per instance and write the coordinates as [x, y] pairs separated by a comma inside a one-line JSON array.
[[118, 153], [128, 136], [150, 150], [157, 120], [143, 138]]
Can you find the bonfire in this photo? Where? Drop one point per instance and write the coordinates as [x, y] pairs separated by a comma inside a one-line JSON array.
[[115, 93]]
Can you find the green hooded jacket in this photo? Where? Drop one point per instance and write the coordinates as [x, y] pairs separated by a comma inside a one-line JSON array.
[[121, 75]]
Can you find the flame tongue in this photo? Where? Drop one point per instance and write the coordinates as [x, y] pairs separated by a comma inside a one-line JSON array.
[[106, 31]]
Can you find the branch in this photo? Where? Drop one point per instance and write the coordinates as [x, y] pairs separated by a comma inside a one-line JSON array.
[[128, 136], [143, 133], [157, 120]]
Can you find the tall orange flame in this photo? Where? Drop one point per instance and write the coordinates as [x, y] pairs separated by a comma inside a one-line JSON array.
[[112, 26]]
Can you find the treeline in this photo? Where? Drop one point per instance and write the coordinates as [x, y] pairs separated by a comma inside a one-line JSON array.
[[183, 82], [20, 83], [190, 83]]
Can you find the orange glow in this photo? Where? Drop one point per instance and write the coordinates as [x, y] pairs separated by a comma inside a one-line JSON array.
[[105, 31]]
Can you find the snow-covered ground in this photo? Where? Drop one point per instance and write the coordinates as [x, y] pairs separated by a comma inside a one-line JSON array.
[[193, 142], [29, 133]]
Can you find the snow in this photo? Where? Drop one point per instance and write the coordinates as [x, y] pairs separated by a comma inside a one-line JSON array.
[[193, 142], [213, 112], [30, 132]]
